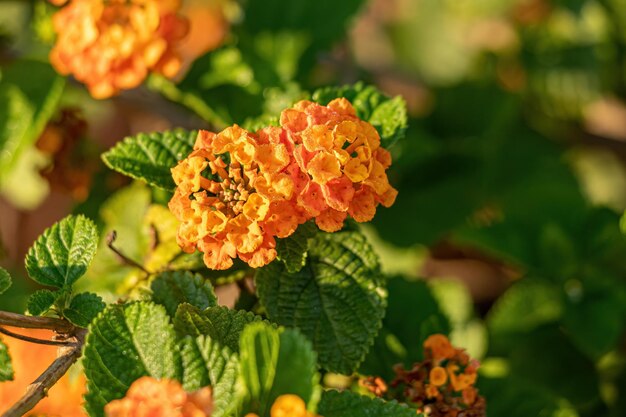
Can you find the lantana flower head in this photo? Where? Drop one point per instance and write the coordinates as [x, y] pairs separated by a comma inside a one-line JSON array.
[[288, 405], [234, 196], [161, 398], [343, 164], [112, 45]]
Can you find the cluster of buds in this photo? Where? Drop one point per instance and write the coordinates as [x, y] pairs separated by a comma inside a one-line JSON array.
[[442, 385], [238, 190], [112, 45], [161, 398], [288, 405]]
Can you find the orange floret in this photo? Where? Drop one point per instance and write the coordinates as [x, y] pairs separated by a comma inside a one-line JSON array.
[[161, 398], [287, 405], [438, 347], [234, 196], [112, 45], [343, 163]]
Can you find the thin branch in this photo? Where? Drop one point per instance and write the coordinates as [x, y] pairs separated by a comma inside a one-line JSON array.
[[30, 322], [33, 339], [36, 391], [111, 237]]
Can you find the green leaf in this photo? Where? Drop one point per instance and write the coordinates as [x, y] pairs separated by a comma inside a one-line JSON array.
[[6, 368], [292, 251], [29, 94], [149, 157], [337, 300], [84, 308], [276, 362], [351, 404], [63, 252], [40, 301], [126, 342], [174, 288], [5, 280], [222, 324], [388, 115], [206, 362]]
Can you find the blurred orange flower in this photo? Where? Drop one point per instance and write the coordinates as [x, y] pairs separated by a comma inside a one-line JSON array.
[[161, 398], [64, 399], [342, 161], [234, 196], [112, 45]]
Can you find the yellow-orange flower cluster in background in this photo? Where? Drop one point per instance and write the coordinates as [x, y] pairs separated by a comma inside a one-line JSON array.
[[161, 398], [442, 385], [238, 191], [112, 45], [288, 405]]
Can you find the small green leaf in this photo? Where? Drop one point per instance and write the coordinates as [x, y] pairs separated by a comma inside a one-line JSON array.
[[6, 368], [351, 404], [126, 342], [292, 251], [174, 288], [388, 115], [63, 252], [337, 300], [40, 301], [276, 362], [206, 362], [5, 280], [84, 308], [222, 324], [149, 157]]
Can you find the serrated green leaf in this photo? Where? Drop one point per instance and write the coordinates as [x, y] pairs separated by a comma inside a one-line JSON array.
[[149, 157], [84, 308], [126, 342], [351, 404], [29, 94], [387, 115], [5, 280], [292, 251], [40, 301], [63, 252], [337, 300], [174, 288], [276, 362], [221, 324], [206, 362], [6, 368]]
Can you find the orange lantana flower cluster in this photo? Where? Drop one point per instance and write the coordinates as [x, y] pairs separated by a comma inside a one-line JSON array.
[[161, 398], [238, 191], [443, 384], [288, 405], [112, 45]]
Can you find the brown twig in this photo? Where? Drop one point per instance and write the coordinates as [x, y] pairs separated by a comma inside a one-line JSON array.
[[30, 322], [36, 391], [33, 339], [110, 240]]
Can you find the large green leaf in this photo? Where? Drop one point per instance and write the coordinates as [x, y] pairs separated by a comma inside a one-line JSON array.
[[149, 157], [222, 324], [5, 280], [337, 300], [351, 404], [293, 250], [276, 362], [6, 368], [206, 362], [174, 288], [388, 115], [126, 342], [63, 252], [29, 93]]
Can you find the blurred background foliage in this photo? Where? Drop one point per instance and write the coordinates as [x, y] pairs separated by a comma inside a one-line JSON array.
[[507, 230]]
